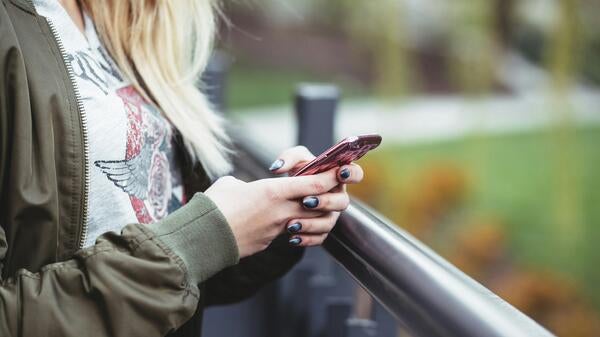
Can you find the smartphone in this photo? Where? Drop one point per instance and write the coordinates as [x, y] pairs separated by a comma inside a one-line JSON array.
[[342, 153]]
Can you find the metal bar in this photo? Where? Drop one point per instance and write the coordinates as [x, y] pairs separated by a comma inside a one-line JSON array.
[[427, 294]]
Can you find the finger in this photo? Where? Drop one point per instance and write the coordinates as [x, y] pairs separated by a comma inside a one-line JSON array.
[[295, 210], [328, 202], [307, 240], [320, 225], [298, 187], [350, 174], [290, 159]]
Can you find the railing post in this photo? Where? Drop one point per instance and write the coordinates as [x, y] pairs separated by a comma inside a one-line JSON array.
[[315, 111], [329, 295], [315, 106]]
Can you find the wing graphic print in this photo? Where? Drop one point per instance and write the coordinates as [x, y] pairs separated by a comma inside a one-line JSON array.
[[131, 175]]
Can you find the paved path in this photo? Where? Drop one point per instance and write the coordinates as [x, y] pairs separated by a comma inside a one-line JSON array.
[[436, 118], [431, 118]]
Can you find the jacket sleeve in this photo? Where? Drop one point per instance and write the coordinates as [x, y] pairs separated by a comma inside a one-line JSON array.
[[137, 283], [243, 280]]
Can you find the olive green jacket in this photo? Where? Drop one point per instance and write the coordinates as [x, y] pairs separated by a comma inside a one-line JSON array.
[[149, 280]]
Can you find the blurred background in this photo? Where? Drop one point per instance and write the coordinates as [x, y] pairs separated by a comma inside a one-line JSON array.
[[490, 116]]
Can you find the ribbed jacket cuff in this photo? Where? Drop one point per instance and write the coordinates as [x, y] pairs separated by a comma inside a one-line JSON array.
[[199, 234]]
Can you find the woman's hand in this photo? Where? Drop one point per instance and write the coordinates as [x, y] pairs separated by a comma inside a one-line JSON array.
[[312, 231], [307, 206], [256, 211]]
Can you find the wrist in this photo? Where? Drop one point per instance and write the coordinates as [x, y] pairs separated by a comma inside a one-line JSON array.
[[199, 234]]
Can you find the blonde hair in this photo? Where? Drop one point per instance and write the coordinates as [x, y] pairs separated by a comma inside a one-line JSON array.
[[162, 47]]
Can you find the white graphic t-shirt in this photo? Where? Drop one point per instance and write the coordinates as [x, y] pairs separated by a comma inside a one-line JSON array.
[[134, 175]]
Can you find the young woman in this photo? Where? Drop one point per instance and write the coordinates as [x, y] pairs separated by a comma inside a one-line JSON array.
[[105, 148]]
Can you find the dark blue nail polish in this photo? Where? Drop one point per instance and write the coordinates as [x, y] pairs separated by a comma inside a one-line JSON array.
[[295, 241], [294, 228], [345, 173], [276, 165], [310, 202]]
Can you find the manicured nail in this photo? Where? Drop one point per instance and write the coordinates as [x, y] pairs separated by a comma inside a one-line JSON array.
[[345, 173], [310, 202], [295, 241], [294, 228], [276, 165]]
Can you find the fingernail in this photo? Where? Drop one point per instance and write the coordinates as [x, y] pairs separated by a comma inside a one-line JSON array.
[[276, 165], [345, 173], [295, 241], [310, 202], [294, 228]]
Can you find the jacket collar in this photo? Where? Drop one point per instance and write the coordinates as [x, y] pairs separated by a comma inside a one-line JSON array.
[[26, 5]]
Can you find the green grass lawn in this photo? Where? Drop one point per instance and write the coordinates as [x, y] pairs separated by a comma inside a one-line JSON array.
[[544, 187], [251, 86]]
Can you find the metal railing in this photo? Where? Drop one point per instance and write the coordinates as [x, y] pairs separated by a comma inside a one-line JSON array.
[[425, 294]]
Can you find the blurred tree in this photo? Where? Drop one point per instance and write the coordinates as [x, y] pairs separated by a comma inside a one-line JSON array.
[[475, 45], [504, 21], [378, 26], [563, 59]]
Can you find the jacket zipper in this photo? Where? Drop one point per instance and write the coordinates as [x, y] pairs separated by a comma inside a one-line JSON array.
[[84, 130]]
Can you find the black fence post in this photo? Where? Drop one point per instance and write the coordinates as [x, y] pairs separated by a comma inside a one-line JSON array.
[[329, 295], [315, 111]]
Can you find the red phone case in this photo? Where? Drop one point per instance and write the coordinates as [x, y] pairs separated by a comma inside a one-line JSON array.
[[343, 153]]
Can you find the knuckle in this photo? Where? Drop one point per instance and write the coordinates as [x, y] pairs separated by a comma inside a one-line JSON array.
[[293, 151], [272, 193], [303, 152], [231, 179], [301, 148], [318, 187], [225, 180]]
